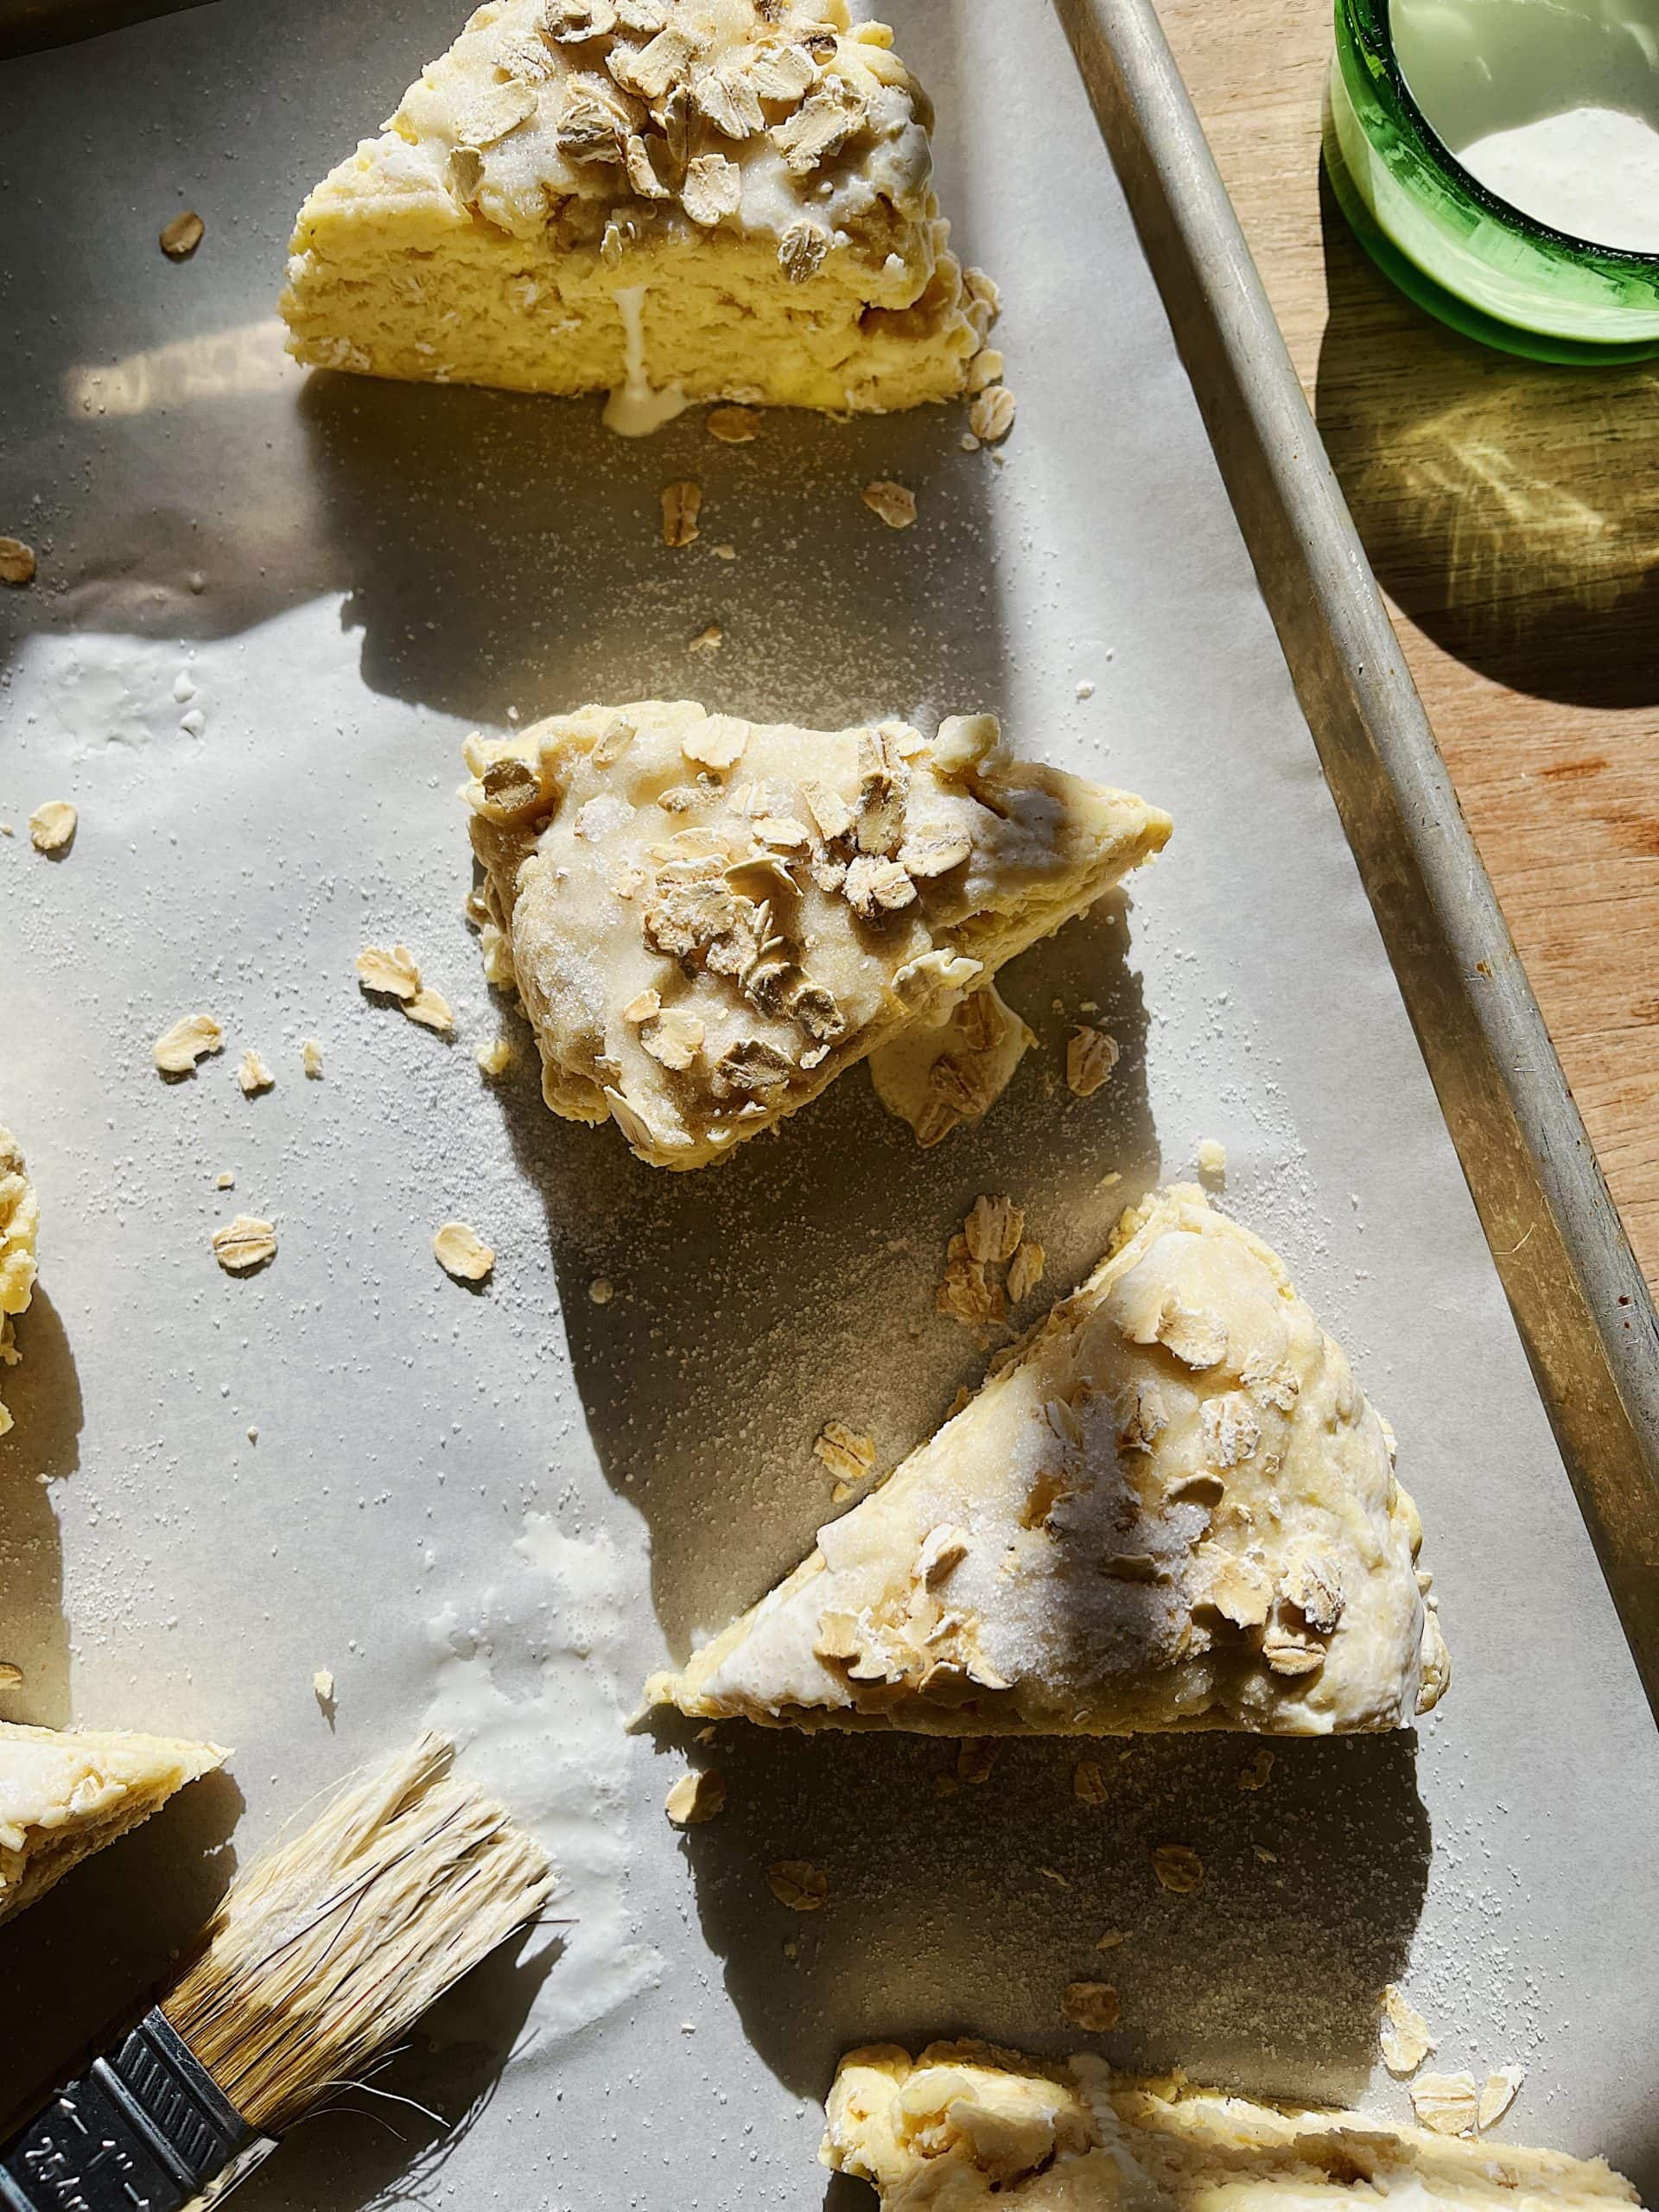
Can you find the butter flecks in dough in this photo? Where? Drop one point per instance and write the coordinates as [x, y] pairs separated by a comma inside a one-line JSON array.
[[966, 2125], [1171, 1507], [20, 1217], [737, 207], [936, 1077], [708, 918], [65, 1795]]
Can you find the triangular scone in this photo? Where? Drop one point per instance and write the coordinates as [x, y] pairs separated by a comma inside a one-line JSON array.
[[1171, 1508], [65, 1795], [671, 199], [708, 919], [967, 2125], [20, 1221]]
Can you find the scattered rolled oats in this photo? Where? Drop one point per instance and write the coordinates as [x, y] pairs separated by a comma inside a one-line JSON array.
[[985, 368], [849, 1456], [975, 1757], [392, 973], [431, 1009], [1088, 1782], [874, 887], [1090, 2005], [1089, 1059], [178, 1049], [180, 237], [1111, 1939], [713, 188], [1403, 2038], [602, 1290], [1024, 1271], [311, 1057], [820, 126], [992, 1229], [224, 1181], [717, 743], [11, 1676], [1178, 1867], [52, 825], [682, 503], [967, 1294], [1252, 1774], [674, 1039], [734, 426], [709, 639], [244, 1243], [253, 1075], [798, 1884], [1497, 2092], [828, 808], [894, 503], [803, 250], [1449, 2103], [991, 416], [461, 1252], [17, 562], [695, 1797]]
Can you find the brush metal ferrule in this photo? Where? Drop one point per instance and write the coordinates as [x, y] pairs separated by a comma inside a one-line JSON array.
[[145, 2129]]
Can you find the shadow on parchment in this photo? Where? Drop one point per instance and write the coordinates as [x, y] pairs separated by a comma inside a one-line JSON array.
[[966, 1910], [1509, 507], [793, 1283], [43, 1447], [385, 2141], [504, 550]]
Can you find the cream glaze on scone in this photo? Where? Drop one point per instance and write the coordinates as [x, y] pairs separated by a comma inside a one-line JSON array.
[[966, 2125], [708, 918], [675, 200], [20, 1221], [1171, 1507], [64, 1795]]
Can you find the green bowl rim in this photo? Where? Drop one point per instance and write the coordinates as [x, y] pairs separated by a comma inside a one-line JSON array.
[[1371, 24]]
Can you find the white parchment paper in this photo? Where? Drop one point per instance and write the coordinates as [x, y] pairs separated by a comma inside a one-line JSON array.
[[269, 608]]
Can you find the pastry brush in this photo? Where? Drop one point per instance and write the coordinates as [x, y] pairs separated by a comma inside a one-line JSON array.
[[319, 1956]]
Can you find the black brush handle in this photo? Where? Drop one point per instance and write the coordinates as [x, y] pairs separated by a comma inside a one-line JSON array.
[[147, 2129]]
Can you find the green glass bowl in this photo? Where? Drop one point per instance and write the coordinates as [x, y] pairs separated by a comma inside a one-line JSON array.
[[1457, 249]]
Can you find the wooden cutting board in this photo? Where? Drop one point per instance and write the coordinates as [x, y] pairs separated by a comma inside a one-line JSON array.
[[1511, 512]]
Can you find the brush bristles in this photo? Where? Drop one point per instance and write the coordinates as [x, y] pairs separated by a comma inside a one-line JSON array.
[[329, 1949]]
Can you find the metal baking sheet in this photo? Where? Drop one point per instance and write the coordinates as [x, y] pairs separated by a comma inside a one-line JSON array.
[[269, 607]]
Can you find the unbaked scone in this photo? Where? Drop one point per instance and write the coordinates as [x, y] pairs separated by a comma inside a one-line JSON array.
[[1171, 1507], [19, 1222], [967, 2126], [708, 918], [671, 199], [65, 1794]]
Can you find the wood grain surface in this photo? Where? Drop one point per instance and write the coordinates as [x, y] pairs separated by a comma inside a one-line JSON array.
[[1511, 512]]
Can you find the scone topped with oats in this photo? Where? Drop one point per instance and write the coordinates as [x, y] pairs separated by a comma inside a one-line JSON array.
[[1169, 1507], [708, 918], [20, 1220], [64, 1795], [967, 2125], [671, 200]]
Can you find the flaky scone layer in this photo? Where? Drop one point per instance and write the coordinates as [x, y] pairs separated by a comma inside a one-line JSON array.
[[708, 918], [1171, 1507], [65, 1794], [966, 2125]]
